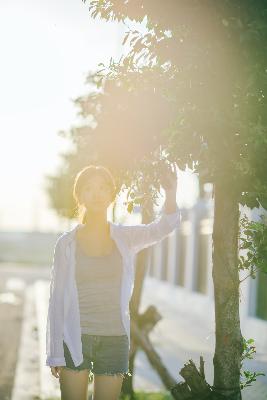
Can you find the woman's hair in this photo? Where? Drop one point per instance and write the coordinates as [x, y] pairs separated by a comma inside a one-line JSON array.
[[81, 179]]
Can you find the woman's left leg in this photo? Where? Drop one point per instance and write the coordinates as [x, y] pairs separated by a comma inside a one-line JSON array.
[[107, 387], [111, 364]]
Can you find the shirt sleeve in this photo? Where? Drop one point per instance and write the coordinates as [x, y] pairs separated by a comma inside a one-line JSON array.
[[55, 317], [138, 237]]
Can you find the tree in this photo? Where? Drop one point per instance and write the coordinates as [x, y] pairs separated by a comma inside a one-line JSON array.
[[212, 56]]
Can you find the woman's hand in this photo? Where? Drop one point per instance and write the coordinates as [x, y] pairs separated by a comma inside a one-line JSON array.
[[168, 177], [56, 371]]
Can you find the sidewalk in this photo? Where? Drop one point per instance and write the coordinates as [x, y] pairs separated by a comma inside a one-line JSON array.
[[182, 335], [179, 336]]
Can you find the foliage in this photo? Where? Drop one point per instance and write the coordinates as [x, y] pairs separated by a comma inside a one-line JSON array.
[[137, 161], [215, 73], [253, 239], [248, 377], [192, 85]]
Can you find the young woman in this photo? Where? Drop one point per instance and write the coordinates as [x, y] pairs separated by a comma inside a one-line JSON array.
[[92, 278]]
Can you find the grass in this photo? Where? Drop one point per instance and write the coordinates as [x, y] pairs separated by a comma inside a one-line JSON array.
[[140, 395], [152, 396]]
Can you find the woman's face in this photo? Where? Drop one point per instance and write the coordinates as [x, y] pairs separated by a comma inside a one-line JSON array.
[[96, 193]]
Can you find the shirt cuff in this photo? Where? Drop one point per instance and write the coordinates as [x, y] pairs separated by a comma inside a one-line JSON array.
[[173, 218], [55, 361], [177, 209]]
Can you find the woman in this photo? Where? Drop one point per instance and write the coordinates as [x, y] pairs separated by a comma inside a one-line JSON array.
[[92, 278]]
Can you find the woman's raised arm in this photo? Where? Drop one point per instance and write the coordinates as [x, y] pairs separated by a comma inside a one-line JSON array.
[[138, 237]]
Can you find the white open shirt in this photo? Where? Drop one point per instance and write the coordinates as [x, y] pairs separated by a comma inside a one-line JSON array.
[[63, 319]]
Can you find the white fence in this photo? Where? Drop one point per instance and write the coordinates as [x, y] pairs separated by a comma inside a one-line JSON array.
[[184, 260]]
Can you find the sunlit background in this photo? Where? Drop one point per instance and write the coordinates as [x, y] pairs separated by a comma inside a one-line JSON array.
[[47, 49]]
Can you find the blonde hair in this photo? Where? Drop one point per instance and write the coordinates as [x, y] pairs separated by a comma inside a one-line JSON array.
[[81, 179]]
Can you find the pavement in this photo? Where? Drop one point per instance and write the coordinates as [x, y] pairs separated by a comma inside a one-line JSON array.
[[185, 332]]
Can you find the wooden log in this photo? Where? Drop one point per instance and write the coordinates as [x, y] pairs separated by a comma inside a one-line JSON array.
[[148, 319], [181, 391], [145, 322], [201, 367], [195, 380]]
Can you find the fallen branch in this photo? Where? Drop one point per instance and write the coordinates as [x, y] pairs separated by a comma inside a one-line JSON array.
[[195, 386], [141, 339]]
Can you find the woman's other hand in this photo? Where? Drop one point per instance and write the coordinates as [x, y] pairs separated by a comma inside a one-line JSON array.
[[55, 371]]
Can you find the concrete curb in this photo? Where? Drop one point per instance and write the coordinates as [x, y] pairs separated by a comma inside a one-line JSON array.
[[49, 385], [26, 382]]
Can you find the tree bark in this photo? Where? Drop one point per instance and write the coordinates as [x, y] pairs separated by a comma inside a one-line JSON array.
[[127, 385], [140, 268], [228, 349]]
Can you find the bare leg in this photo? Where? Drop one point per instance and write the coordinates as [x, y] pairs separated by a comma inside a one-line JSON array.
[[107, 387], [74, 384]]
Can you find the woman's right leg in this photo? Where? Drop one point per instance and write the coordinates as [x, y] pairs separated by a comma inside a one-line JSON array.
[[74, 384]]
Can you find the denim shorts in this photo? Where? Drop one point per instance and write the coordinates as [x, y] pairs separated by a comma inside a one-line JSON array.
[[108, 355]]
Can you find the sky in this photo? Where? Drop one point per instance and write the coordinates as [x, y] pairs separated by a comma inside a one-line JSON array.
[[47, 49]]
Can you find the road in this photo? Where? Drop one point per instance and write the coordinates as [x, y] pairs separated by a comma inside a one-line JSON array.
[[14, 281]]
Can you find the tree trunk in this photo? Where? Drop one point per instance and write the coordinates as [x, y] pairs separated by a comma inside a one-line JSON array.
[[228, 350], [140, 268]]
